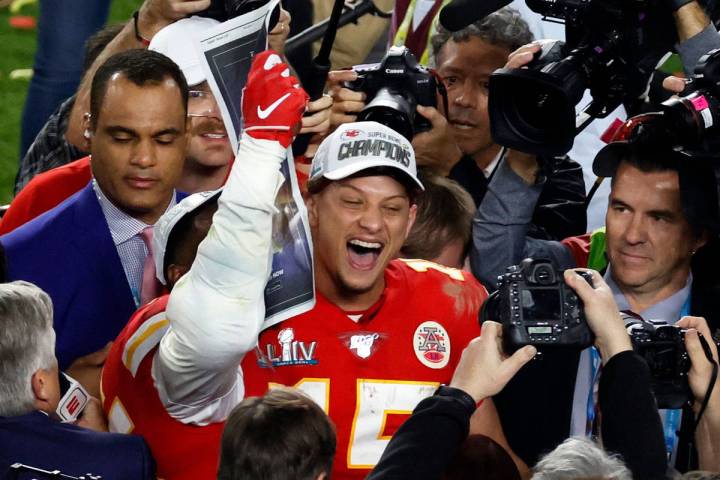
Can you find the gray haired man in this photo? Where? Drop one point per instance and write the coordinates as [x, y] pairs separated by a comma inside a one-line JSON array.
[[30, 394]]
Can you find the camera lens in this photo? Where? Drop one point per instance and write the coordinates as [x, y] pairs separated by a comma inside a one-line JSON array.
[[391, 109]]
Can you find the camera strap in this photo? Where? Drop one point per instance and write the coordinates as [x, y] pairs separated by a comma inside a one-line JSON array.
[[591, 427]]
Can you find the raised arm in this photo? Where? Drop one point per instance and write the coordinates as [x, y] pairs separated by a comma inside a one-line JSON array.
[[217, 308]]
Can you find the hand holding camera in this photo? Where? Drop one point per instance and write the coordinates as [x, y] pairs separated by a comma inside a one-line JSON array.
[[154, 15], [483, 369], [346, 103], [436, 148], [701, 369], [601, 312]]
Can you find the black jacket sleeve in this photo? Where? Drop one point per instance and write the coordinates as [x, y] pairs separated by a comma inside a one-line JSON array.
[[560, 210], [425, 444], [630, 422]]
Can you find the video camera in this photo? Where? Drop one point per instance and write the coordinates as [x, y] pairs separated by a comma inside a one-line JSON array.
[[612, 48], [536, 307], [394, 88], [696, 114]]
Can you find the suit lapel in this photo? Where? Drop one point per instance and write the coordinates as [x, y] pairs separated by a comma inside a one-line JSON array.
[[96, 246]]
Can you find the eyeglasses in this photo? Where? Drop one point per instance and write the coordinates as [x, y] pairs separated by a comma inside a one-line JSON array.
[[202, 104]]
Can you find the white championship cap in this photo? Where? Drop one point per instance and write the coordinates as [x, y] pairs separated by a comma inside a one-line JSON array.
[[177, 41], [358, 146], [165, 225]]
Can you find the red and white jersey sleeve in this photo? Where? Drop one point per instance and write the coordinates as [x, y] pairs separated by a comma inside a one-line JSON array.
[[369, 375]]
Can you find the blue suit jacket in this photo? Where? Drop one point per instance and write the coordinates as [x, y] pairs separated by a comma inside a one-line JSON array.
[[38, 441], [69, 252]]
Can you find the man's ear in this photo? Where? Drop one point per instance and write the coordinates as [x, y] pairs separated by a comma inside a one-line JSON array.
[[174, 272], [412, 214], [311, 204], [43, 392], [701, 241], [87, 127]]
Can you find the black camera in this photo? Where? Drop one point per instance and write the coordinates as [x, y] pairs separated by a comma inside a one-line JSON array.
[[663, 348], [222, 10], [536, 307], [696, 114], [394, 88], [612, 49]]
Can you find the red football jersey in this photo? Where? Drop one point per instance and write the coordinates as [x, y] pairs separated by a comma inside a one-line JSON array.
[[132, 405], [370, 374]]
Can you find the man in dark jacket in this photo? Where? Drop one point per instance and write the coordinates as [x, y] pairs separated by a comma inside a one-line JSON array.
[[465, 59], [30, 432]]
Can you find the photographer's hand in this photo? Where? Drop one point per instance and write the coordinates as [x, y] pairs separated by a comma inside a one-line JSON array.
[[707, 434], [154, 15], [436, 148], [523, 55], [346, 103], [317, 122], [278, 35], [701, 369], [484, 370], [674, 84], [601, 312]]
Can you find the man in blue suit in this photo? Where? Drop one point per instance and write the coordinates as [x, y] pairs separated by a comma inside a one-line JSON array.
[[89, 252], [30, 394]]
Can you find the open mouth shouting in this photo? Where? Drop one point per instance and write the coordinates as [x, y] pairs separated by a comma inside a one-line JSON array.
[[363, 255]]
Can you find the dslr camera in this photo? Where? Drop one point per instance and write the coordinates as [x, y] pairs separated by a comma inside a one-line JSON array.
[[536, 307], [394, 88], [663, 348]]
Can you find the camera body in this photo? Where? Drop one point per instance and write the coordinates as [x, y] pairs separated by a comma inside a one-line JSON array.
[[536, 307], [394, 88], [663, 348]]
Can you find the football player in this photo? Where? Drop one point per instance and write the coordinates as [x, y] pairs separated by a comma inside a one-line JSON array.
[[384, 333]]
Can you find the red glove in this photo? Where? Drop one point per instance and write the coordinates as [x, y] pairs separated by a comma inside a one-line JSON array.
[[273, 102]]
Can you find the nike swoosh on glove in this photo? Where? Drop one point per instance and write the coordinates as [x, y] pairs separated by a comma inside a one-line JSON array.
[[273, 101]]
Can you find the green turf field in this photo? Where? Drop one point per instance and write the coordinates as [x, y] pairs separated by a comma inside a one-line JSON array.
[[17, 48]]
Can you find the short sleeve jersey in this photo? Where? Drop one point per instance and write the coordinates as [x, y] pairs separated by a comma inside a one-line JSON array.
[[369, 371]]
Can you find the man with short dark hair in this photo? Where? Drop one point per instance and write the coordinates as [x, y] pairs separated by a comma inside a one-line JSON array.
[[283, 434], [173, 370], [30, 432], [88, 253], [465, 59]]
